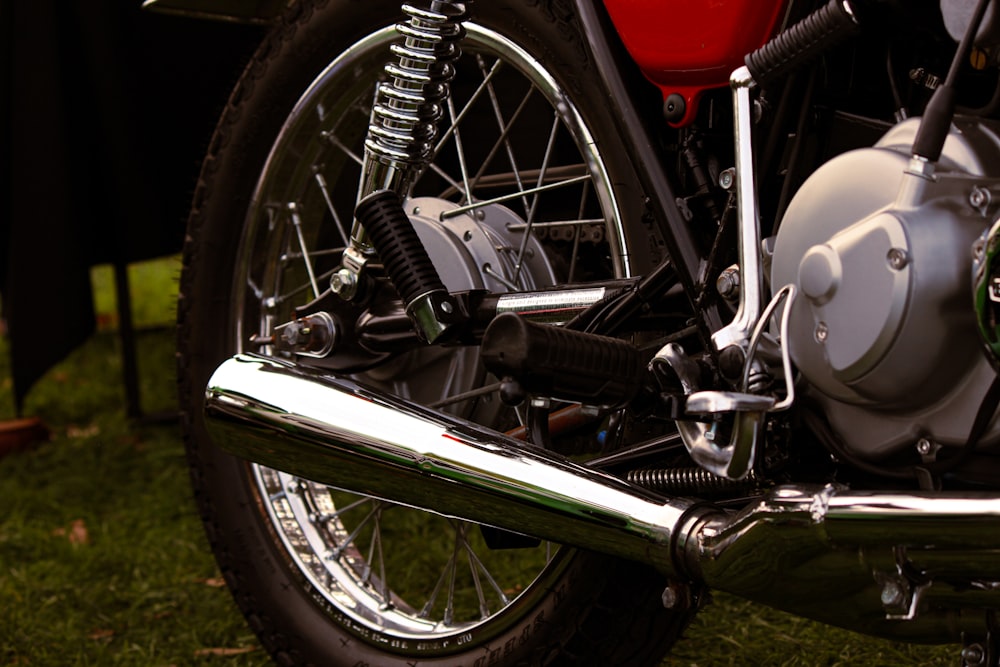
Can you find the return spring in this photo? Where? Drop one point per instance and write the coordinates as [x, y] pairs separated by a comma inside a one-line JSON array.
[[688, 481]]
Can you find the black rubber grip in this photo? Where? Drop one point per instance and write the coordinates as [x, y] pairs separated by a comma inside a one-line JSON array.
[[402, 253], [560, 363], [802, 43]]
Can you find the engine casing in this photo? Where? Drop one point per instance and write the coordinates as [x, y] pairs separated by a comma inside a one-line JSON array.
[[884, 328]]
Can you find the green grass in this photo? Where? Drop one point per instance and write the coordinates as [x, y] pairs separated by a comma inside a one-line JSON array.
[[103, 560]]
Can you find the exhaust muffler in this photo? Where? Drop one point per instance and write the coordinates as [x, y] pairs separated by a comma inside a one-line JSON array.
[[901, 565], [335, 431]]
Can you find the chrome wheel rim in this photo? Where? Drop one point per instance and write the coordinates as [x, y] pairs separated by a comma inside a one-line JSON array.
[[340, 544]]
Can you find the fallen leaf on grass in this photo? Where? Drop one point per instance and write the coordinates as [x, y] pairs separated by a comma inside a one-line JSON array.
[[213, 582], [102, 633], [77, 532], [82, 431], [201, 653]]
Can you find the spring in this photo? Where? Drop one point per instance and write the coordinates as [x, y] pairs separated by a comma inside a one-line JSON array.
[[687, 481], [408, 105], [759, 381]]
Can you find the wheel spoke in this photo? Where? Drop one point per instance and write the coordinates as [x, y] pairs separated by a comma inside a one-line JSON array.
[[334, 141], [477, 567], [321, 181], [576, 233], [505, 129], [449, 607], [349, 540], [446, 576], [293, 211], [305, 287], [519, 262], [376, 554], [461, 152], [454, 213], [455, 185], [455, 120]]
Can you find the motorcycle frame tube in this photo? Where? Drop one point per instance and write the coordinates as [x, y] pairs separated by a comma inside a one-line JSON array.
[[611, 60], [821, 552]]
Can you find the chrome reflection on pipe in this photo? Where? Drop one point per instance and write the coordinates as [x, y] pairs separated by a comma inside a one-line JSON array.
[[900, 565], [335, 431]]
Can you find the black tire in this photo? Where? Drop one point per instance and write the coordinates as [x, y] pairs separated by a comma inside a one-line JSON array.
[[582, 608]]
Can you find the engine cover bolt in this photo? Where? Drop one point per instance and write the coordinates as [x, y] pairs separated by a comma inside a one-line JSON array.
[[897, 258], [822, 331], [979, 250], [923, 446], [979, 198], [727, 178]]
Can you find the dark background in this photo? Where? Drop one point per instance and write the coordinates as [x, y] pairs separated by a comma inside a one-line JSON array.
[[106, 112]]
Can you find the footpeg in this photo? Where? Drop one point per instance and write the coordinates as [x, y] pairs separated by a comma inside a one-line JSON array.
[[428, 304], [733, 457], [560, 363]]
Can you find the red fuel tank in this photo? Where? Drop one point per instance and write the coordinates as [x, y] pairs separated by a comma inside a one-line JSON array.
[[689, 46]]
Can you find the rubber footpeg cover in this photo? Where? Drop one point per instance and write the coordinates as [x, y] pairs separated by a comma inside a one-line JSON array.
[[406, 261], [560, 363]]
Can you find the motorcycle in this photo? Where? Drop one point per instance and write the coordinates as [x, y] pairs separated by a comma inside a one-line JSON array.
[[509, 329]]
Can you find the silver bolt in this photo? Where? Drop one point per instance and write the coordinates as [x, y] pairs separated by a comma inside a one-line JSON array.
[[669, 597], [979, 197], [923, 446], [973, 655], [480, 214], [344, 283], [446, 307], [728, 283], [822, 332], [467, 236], [892, 594], [897, 258], [726, 178], [416, 210], [979, 250]]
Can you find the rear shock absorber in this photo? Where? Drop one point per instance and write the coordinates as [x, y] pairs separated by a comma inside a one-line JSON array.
[[403, 126]]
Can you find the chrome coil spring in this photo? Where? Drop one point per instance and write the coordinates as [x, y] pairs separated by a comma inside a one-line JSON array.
[[679, 481], [408, 105]]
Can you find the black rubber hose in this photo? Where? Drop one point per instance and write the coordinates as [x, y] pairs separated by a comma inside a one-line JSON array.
[[803, 42]]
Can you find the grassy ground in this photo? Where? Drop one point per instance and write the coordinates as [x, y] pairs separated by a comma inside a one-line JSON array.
[[103, 562]]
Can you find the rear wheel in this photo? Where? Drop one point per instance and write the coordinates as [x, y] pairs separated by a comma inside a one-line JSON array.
[[333, 578]]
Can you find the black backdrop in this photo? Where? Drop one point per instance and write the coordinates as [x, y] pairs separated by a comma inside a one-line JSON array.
[[107, 110]]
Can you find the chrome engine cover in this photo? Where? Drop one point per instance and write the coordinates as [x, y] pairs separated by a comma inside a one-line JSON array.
[[885, 330]]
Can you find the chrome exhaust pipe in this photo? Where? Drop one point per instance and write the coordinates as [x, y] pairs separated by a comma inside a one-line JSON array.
[[901, 565], [335, 431]]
